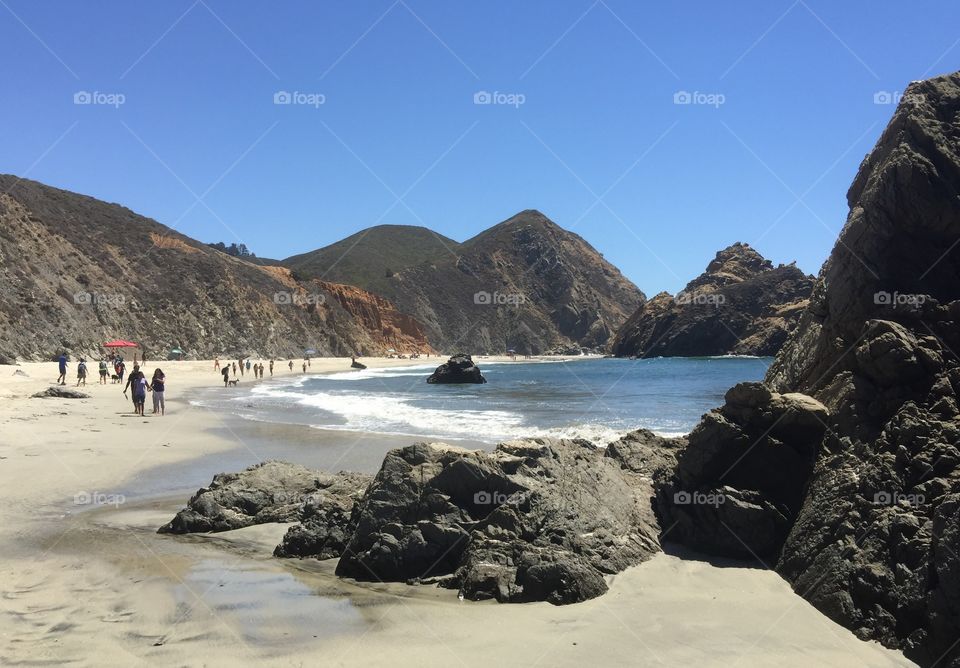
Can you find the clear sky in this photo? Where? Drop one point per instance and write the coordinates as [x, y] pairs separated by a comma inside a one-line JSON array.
[[580, 120]]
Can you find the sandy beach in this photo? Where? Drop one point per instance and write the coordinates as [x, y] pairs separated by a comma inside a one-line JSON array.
[[87, 581]]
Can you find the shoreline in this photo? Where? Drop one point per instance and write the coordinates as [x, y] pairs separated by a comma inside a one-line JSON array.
[[101, 583]]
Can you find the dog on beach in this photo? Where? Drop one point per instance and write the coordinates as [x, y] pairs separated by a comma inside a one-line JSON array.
[[233, 382], [115, 378]]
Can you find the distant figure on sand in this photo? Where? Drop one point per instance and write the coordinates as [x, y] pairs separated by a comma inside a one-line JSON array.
[[121, 369], [304, 366], [248, 365], [103, 371], [271, 368], [234, 369], [226, 374], [62, 364], [216, 363], [82, 372], [157, 386], [137, 383], [290, 364]]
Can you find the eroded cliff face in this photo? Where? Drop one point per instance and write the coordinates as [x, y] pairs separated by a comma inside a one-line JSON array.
[[76, 272], [741, 305], [871, 532]]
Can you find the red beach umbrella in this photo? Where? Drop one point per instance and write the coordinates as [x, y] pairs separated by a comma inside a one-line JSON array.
[[120, 343]]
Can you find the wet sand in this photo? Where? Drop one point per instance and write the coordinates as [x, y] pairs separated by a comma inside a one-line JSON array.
[[87, 581]]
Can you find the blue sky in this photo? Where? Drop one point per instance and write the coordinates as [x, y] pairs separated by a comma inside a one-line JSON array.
[[584, 127]]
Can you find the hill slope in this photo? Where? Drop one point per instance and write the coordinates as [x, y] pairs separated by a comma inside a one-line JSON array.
[[740, 305], [368, 258], [525, 284], [77, 271]]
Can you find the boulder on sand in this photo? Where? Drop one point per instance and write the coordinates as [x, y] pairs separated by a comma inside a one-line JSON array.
[[60, 392], [326, 518], [537, 519], [458, 369], [269, 492]]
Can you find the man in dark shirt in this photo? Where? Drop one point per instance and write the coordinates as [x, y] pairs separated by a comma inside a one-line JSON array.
[[133, 381], [62, 362]]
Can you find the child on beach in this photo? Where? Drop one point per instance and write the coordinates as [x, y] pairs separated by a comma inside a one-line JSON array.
[[157, 386], [216, 363], [103, 371], [82, 373]]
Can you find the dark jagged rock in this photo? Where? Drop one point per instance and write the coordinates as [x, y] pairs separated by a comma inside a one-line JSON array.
[[538, 519], [269, 492], [458, 369], [325, 518], [876, 539], [60, 392], [739, 483], [357, 365], [647, 454], [740, 305]]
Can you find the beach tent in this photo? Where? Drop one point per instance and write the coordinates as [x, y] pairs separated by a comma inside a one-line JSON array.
[[176, 354], [309, 351]]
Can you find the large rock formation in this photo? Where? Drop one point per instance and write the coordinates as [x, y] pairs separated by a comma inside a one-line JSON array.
[[458, 369], [525, 284], [269, 492], [875, 542], [77, 272], [741, 305], [537, 519]]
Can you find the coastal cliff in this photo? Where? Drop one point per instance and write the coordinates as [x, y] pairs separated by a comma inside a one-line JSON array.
[[741, 305], [77, 271], [866, 525]]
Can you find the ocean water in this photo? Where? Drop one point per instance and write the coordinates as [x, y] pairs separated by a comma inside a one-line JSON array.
[[596, 399]]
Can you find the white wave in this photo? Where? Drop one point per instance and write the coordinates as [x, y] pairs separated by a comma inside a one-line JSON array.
[[381, 413]]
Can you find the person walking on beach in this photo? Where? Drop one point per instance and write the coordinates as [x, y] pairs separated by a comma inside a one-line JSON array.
[[216, 363], [121, 369], [62, 365], [234, 365], [248, 365], [304, 366], [271, 368], [82, 373], [103, 371], [240, 364], [226, 374], [290, 365], [137, 383], [157, 386]]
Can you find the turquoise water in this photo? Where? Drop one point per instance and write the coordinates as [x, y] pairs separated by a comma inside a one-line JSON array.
[[597, 399]]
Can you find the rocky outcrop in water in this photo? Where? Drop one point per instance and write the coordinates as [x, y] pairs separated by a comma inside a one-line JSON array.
[[875, 539], [458, 369], [537, 519], [268, 492], [741, 305]]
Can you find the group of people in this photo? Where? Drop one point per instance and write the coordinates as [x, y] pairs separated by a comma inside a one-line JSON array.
[[136, 382], [139, 386], [243, 366]]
